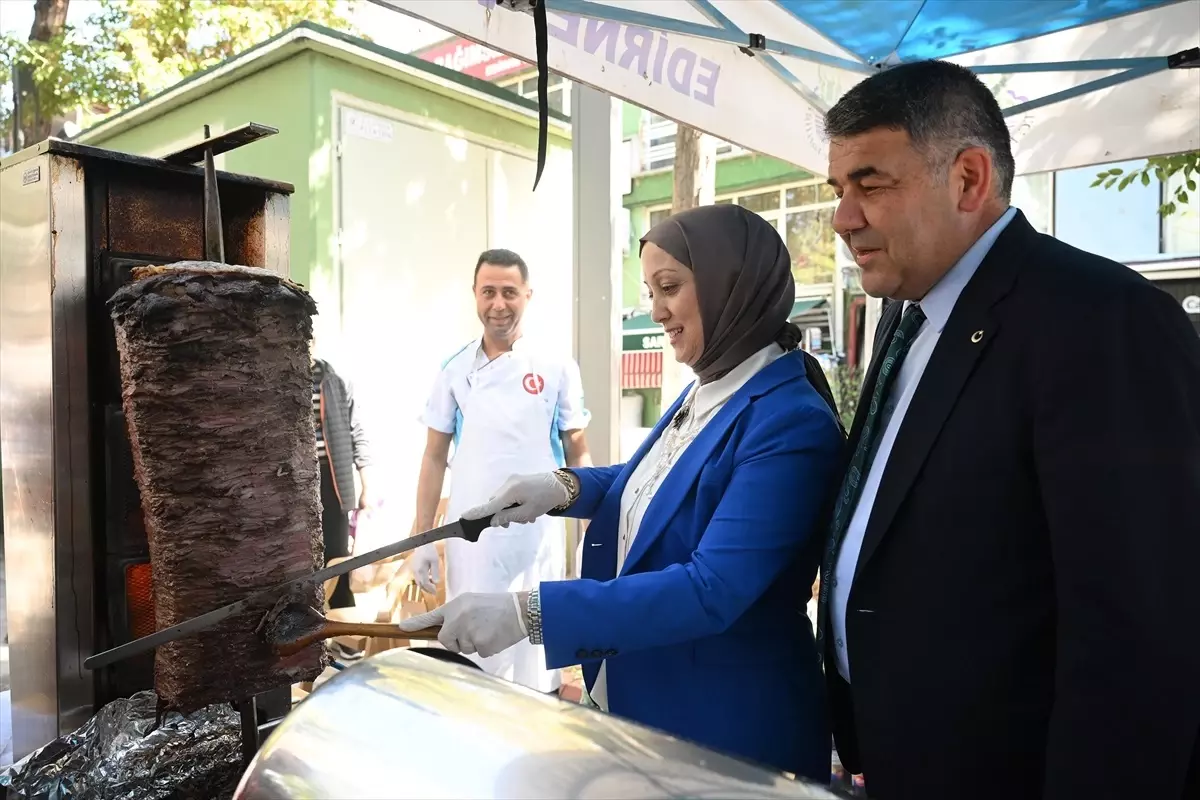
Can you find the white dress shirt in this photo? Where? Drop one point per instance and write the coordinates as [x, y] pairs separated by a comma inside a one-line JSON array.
[[937, 305], [703, 403]]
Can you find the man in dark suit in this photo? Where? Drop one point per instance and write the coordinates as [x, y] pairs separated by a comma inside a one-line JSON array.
[[1010, 605]]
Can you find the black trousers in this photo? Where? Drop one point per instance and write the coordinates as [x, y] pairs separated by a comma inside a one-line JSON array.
[[335, 525]]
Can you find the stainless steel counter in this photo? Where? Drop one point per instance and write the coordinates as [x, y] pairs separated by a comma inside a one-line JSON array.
[[403, 725]]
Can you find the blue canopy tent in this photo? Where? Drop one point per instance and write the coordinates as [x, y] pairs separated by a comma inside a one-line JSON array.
[[1081, 81]]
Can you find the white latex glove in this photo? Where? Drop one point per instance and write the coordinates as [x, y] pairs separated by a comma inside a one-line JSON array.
[[475, 623], [534, 496], [426, 567]]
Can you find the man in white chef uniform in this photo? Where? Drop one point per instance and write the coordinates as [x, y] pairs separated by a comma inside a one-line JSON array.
[[508, 408]]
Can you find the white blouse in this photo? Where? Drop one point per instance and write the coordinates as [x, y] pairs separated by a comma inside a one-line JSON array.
[[699, 407]]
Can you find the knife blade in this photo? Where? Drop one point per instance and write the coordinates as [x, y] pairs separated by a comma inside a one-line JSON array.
[[468, 529]]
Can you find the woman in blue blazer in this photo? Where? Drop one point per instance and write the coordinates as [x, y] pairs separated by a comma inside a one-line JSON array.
[[689, 614]]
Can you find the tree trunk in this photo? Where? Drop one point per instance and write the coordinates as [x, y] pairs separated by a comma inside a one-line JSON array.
[[695, 169], [49, 20], [695, 185]]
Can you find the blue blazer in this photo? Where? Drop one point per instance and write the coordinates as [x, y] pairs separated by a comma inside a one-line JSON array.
[[704, 631]]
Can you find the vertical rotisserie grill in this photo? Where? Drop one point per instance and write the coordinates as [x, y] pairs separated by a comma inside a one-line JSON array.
[[216, 392]]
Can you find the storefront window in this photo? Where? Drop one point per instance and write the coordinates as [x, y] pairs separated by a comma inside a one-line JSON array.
[[802, 214], [658, 142], [1181, 230], [810, 195], [758, 203], [558, 91], [1034, 195], [812, 244], [1124, 225]]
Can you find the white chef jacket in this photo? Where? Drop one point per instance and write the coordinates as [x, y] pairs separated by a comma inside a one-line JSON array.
[[506, 415], [454, 381]]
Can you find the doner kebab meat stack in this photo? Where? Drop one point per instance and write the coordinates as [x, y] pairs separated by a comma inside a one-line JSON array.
[[217, 395]]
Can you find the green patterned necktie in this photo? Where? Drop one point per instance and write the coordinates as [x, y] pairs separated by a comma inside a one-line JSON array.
[[864, 452]]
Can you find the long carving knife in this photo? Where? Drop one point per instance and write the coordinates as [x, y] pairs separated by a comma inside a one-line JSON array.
[[468, 529]]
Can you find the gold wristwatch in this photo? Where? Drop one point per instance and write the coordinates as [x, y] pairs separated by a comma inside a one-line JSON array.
[[571, 481]]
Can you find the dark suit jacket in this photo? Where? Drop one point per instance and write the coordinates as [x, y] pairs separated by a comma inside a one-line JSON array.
[[1025, 615]]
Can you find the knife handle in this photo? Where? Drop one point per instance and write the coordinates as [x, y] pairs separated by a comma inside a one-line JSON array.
[[331, 630], [473, 528], [385, 630]]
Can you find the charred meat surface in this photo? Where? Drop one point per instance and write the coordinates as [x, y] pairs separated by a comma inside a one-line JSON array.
[[290, 622], [216, 389]]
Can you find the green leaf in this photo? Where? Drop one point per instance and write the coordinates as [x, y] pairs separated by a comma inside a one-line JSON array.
[[1108, 184], [1191, 185], [134, 48], [1128, 179], [1098, 181], [1183, 196], [1145, 179]]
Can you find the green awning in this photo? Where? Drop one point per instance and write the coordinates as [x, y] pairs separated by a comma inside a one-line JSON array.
[[639, 333], [638, 323], [807, 304]]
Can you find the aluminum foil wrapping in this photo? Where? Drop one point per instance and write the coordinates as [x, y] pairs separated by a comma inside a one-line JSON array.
[[119, 755]]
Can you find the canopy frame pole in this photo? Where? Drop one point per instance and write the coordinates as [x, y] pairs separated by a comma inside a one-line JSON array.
[[769, 61], [595, 148], [1160, 65], [1088, 65]]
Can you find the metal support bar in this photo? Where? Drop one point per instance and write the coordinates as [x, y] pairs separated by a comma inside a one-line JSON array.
[[1088, 65], [1087, 88], [214, 234], [221, 143], [769, 61]]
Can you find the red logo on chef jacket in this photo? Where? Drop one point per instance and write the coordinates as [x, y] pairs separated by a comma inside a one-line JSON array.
[[533, 383]]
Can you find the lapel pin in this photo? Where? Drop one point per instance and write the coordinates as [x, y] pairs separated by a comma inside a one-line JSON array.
[[977, 337]]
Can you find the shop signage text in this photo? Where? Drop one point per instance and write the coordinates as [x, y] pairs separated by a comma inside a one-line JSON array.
[[642, 51], [369, 126], [633, 342], [469, 58]]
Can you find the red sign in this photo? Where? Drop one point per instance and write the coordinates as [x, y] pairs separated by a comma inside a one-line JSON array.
[[469, 58], [533, 383]]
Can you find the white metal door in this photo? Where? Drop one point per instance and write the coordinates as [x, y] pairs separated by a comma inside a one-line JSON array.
[[537, 225], [413, 213]]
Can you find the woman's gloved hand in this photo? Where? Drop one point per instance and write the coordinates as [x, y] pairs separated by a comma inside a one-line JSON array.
[[533, 496], [486, 624], [426, 567]]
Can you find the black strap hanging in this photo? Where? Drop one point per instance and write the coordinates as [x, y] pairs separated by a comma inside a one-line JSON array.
[[542, 42]]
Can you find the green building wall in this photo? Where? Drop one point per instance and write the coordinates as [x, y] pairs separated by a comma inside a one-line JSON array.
[[297, 96]]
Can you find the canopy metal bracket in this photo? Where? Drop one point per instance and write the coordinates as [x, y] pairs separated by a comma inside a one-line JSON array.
[[1185, 59]]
